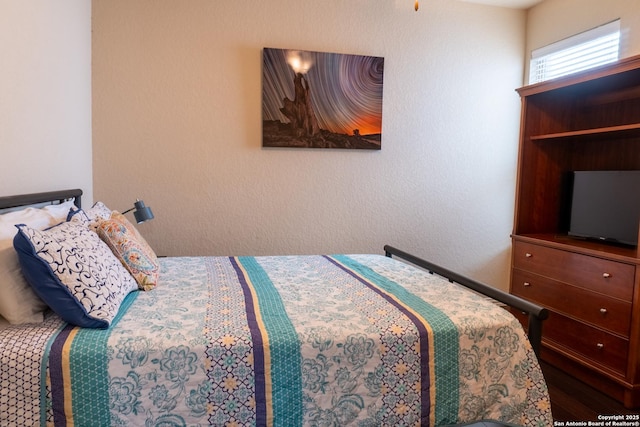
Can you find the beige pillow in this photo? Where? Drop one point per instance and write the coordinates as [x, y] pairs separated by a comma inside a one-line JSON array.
[[18, 302]]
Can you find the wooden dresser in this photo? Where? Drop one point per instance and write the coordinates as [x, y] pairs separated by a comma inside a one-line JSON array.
[[588, 121]]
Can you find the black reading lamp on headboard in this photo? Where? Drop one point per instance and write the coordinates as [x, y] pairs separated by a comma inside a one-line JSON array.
[[142, 213]]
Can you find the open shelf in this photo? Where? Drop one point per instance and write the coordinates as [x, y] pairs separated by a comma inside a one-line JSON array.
[[630, 130]]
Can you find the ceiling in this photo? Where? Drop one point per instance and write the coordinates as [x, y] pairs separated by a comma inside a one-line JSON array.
[[516, 4]]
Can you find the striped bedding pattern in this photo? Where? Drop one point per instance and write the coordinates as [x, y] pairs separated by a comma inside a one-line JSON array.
[[360, 340]]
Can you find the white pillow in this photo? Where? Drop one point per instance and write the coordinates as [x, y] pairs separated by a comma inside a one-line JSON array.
[[18, 302], [60, 212], [91, 217]]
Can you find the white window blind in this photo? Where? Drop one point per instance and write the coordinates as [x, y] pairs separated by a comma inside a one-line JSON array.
[[589, 49]]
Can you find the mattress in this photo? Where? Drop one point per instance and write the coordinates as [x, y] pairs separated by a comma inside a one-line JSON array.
[[362, 340]]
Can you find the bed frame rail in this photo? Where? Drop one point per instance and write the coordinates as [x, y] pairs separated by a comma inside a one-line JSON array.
[[60, 196], [536, 313]]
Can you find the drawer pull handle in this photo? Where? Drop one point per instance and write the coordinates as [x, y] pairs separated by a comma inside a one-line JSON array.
[[528, 255], [600, 345], [525, 284], [606, 275], [603, 310]]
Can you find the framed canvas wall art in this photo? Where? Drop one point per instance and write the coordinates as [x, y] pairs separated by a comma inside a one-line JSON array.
[[321, 100]]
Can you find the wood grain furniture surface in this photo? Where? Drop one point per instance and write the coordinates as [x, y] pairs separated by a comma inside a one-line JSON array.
[[589, 121]]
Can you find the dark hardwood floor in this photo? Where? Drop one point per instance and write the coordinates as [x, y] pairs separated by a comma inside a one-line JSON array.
[[572, 400]]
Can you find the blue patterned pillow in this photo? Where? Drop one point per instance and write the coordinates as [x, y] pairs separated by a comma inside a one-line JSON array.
[[74, 272]]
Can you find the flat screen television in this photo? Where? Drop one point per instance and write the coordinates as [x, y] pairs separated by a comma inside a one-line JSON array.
[[605, 205]]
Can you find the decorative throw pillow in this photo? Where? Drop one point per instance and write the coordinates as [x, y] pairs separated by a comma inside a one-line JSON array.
[[131, 249], [92, 216], [74, 272], [18, 301]]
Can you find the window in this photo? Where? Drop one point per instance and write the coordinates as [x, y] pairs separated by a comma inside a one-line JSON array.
[[586, 50]]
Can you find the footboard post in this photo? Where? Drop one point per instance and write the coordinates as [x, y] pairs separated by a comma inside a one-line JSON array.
[[534, 331]]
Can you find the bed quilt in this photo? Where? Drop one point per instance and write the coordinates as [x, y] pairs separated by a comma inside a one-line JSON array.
[[341, 340]]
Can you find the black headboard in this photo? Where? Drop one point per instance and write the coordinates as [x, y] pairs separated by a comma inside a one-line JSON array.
[[45, 197]]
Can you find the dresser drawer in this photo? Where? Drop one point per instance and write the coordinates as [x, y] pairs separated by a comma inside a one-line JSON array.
[[603, 311], [591, 343], [608, 277]]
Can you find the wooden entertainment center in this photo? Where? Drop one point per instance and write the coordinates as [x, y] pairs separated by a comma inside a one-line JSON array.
[[587, 121]]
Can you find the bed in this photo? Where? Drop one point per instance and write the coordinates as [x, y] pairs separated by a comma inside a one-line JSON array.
[[318, 340]]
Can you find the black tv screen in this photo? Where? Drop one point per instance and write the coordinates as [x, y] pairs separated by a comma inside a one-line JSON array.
[[605, 205]]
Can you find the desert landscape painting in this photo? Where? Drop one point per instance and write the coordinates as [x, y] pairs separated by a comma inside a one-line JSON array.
[[321, 100]]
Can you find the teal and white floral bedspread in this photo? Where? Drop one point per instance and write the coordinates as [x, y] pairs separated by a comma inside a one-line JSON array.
[[340, 340]]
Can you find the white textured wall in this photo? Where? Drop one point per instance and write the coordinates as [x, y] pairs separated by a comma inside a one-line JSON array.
[[177, 122], [45, 96], [554, 20]]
